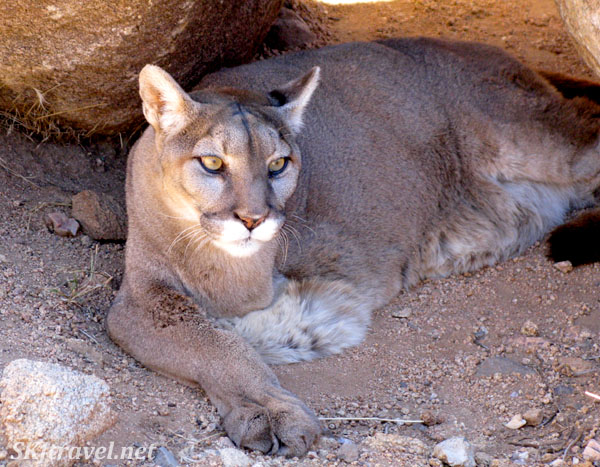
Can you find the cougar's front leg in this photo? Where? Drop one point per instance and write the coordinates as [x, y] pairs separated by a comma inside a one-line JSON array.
[[168, 334]]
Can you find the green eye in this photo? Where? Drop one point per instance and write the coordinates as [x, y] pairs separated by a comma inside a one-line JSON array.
[[212, 164], [278, 166]]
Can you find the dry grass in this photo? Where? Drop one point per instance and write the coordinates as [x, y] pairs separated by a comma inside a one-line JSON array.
[[30, 114], [84, 282]]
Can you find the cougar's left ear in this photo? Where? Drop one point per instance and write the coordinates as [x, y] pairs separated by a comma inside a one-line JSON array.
[[292, 98], [166, 105]]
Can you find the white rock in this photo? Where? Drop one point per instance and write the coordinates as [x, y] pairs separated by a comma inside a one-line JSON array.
[[233, 457], [456, 452], [564, 266], [43, 405], [402, 313], [516, 422], [592, 451]]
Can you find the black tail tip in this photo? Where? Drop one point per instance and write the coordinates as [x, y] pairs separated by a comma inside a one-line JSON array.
[[577, 241]]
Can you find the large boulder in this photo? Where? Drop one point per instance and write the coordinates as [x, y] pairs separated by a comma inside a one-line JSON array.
[[75, 63], [47, 411], [582, 20]]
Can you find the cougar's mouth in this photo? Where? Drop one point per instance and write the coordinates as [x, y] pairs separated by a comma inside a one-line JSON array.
[[238, 241]]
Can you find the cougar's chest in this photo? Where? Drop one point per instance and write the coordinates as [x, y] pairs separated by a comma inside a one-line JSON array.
[[232, 286]]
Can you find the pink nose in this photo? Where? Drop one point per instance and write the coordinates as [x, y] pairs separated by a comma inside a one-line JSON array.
[[251, 222]]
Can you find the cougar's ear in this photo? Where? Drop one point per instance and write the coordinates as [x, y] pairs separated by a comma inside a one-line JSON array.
[[165, 104], [292, 98]]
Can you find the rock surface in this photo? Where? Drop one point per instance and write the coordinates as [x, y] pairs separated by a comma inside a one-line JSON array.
[[45, 405], [76, 63], [582, 21], [289, 31], [456, 452], [100, 215]]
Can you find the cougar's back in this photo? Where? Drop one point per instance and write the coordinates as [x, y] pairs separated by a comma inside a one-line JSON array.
[[398, 137]]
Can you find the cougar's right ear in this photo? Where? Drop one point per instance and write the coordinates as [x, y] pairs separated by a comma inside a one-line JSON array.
[[165, 103]]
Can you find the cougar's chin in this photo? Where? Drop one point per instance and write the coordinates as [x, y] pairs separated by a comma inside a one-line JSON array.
[[238, 241], [239, 249]]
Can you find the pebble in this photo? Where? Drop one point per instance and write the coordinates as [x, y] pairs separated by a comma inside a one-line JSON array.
[[165, 458], [61, 225], [533, 417], [403, 313], [573, 365], [430, 418], [483, 459], [592, 451], [348, 452], [516, 422], [564, 266], [233, 457], [456, 452], [502, 365], [530, 329]]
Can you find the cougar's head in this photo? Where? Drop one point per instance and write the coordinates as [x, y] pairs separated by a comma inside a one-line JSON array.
[[228, 160]]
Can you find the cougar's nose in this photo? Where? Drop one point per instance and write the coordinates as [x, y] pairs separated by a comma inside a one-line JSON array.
[[251, 222]]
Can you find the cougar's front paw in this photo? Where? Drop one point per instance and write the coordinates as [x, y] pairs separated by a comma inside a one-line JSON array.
[[279, 424]]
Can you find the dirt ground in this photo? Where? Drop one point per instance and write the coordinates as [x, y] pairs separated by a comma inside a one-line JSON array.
[[464, 354]]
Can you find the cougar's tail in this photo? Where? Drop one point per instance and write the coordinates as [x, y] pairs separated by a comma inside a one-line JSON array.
[[578, 240], [571, 87], [310, 319]]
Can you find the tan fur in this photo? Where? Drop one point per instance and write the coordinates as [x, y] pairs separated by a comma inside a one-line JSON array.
[[415, 158]]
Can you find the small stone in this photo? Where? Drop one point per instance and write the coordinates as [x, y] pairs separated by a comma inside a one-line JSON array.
[[483, 459], [572, 366], [403, 313], [3, 454], [530, 329], [564, 266], [430, 418], [348, 452], [61, 225], [224, 442], [502, 365], [516, 422], [3, 259], [456, 452], [100, 215], [165, 458], [233, 457], [533, 417], [520, 457], [592, 451]]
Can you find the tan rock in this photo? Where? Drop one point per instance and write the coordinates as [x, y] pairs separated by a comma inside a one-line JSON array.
[[530, 329], [516, 422], [564, 266], [100, 215], [582, 21], [592, 451], [46, 406], [533, 417], [76, 62]]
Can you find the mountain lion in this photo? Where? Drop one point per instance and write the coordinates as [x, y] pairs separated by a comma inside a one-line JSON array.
[[266, 224]]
